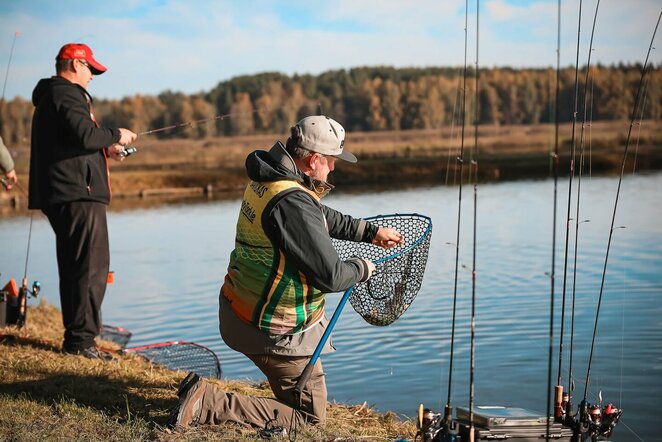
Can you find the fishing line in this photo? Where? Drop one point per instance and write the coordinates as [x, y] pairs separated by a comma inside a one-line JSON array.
[[206, 120], [450, 141], [641, 118], [577, 223], [618, 190]]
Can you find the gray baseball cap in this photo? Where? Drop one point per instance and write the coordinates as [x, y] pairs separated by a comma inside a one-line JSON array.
[[324, 135]]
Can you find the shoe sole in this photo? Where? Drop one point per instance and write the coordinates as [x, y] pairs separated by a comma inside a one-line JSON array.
[[186, 383]]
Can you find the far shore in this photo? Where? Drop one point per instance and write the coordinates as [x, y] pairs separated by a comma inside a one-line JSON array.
[[214, 167]]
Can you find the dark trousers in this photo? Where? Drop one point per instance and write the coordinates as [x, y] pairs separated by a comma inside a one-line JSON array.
[[83, 259]]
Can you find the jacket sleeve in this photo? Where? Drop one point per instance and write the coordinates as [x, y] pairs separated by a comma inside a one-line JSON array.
[[298, 228], [74, 112], [345, 227]]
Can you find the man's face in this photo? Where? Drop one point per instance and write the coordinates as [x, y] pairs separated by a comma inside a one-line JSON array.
[[83, 73], [321, 166]]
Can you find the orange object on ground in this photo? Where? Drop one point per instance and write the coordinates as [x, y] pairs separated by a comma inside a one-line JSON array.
[[11, 288]]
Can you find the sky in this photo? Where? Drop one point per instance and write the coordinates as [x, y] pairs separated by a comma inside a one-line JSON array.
[[151, 46]]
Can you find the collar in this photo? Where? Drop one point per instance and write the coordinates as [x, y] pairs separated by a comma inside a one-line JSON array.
[[280, 156]]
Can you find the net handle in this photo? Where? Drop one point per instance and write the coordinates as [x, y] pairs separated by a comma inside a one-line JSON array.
[[308, 370]]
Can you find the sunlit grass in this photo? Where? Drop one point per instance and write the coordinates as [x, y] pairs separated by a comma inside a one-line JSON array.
[[48, 395]]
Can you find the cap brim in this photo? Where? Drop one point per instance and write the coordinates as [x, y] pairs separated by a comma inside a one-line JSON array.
[[347, 156], [96, 67]]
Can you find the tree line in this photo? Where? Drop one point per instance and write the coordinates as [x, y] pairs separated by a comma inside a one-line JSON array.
[[369, 99]]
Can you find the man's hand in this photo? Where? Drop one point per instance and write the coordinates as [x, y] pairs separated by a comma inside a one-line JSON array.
[[115, 152], [388, 238], [11, 176], [127, 137]]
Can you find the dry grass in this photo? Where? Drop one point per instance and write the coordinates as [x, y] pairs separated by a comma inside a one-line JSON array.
[[48, 395]]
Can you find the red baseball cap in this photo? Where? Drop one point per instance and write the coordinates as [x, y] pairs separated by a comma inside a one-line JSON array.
[[83, 52]]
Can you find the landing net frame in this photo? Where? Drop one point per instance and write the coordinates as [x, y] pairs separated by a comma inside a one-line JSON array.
[[399, 271]]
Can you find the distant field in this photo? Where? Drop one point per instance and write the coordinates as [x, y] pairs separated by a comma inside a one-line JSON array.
[[182, 166]]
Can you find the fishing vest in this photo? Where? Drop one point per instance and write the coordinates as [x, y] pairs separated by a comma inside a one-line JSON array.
[[264, 288]]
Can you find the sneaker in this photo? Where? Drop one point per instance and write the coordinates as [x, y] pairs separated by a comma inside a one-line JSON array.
[[91, 352], [187, 412]]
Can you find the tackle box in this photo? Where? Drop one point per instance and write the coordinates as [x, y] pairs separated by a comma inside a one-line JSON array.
[[506, 423]]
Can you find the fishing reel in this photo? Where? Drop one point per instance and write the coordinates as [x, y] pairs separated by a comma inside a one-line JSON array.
[[23, 294], [7, 184], [436, 427], [128, 151], [271, 430], [15, 301], [597, 422]]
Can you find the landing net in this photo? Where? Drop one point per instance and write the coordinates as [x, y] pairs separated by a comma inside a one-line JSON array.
[[179, 355], [118, 335], [395, 283]]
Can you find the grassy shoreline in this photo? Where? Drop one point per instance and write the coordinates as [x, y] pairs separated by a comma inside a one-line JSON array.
[[48, 395]]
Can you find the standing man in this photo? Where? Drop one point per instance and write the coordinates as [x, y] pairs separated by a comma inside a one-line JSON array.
[[272, 300], [69, 182], [7, 166]]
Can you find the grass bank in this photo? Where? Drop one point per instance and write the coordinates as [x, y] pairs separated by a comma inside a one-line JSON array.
[[48, 395]]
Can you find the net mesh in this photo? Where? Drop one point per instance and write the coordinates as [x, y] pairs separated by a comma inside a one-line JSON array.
[[185, 356], [393, 286], [118, 335]]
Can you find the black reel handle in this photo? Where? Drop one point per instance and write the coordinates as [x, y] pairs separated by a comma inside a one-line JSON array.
[[128, 151]]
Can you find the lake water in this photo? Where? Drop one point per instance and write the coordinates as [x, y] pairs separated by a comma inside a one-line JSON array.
[[169, 263]]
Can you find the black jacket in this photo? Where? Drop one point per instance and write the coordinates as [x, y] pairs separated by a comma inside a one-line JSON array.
[[67, 161]]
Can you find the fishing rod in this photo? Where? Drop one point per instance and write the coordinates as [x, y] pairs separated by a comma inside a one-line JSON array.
[[559, 385], [19, 316], [552, 277], [641, 118], [450, 427], [24, 291], [433, 426], [474, 164], [611, 415], [6, 183], [11, 53], [571, 382], [130, 150]]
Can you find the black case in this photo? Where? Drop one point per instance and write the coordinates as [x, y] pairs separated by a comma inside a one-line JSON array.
[[506, 423], [3, 308]]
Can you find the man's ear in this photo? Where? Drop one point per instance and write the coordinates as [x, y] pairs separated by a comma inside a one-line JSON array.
[[314, 161]]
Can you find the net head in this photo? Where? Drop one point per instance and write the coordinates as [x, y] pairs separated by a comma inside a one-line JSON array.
[[395, 283]]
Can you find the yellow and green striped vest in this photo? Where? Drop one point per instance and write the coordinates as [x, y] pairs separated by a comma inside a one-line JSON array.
[[263, 287]]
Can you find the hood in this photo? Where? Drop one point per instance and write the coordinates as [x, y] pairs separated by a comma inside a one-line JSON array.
[[265, 166], [277, 165], [46, 84]]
